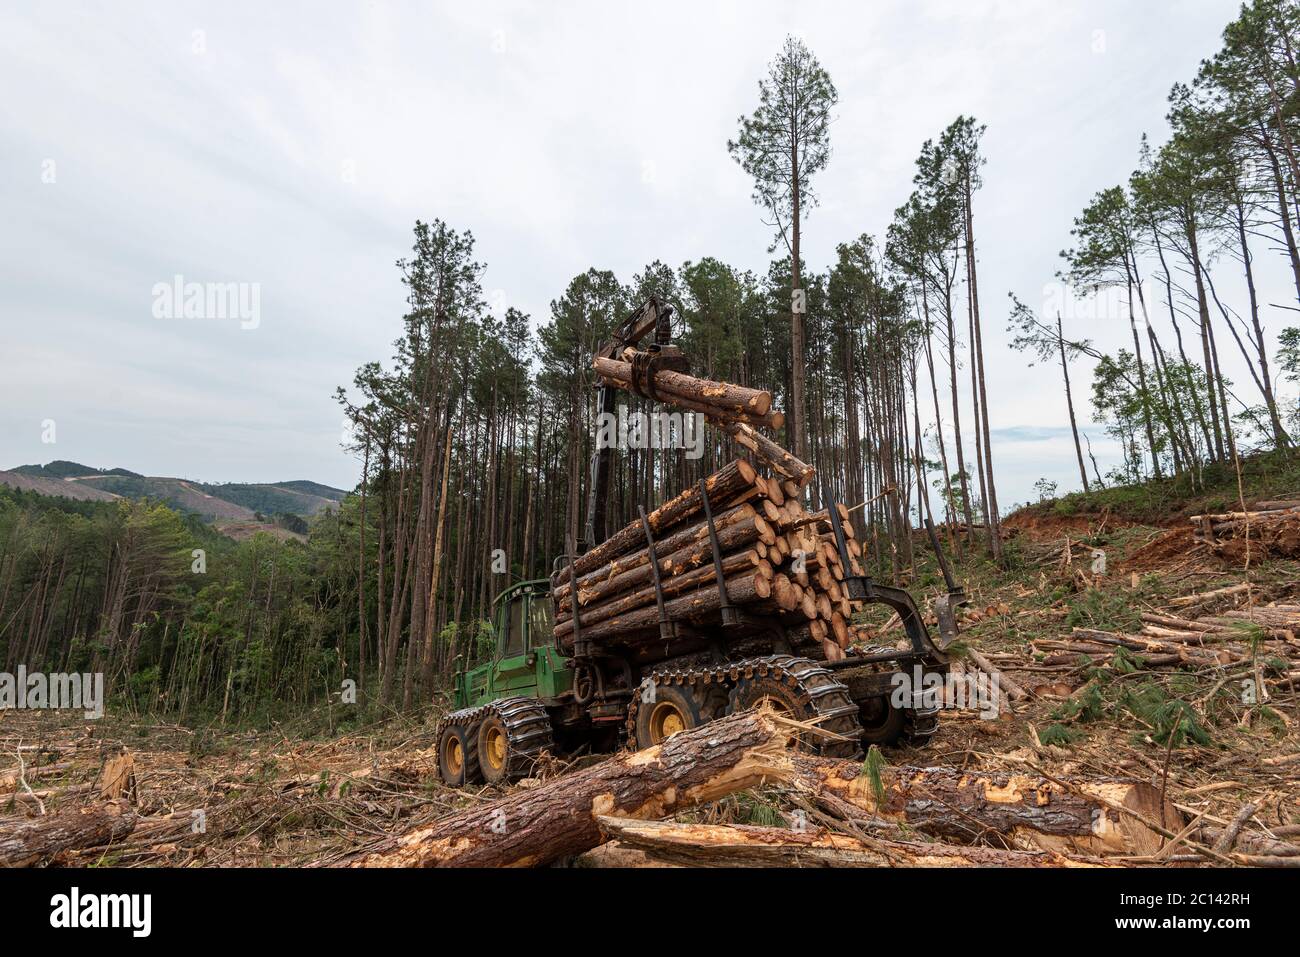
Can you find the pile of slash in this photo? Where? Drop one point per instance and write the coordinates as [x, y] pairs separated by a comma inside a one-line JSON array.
[[1269, 529], [731, 793], [988, 792]]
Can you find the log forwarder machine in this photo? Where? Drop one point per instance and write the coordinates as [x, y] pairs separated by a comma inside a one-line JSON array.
[[575, 695]]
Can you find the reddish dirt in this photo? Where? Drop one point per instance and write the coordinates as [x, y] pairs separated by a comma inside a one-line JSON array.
[[242, 531], [1166, 548], [1269, 538], [1051, 526]]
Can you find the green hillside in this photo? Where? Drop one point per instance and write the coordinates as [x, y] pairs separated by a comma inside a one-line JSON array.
[[233, 501], [274, 499], [1217, 488], [314, 488], [62, 468]]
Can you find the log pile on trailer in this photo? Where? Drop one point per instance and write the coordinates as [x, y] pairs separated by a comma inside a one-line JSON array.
[[742, 539]]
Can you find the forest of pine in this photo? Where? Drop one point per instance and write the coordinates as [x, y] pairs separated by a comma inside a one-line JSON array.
[[472, 440]]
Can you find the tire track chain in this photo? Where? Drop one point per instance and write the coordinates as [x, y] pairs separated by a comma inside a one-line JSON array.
[[814, 687]]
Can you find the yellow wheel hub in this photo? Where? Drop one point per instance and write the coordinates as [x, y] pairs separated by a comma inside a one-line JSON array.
[[455, 756], [666, 720], [495, 752]]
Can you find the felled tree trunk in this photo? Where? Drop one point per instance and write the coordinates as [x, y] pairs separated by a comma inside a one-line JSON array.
[[559, 819], [37, 841], [704, 601], [540, 825], [734, 564], [740, 516], [767, 451], [713, 845], [742, 535]]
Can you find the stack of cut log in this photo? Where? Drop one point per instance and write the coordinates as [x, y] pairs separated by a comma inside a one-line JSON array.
[[778, 559], [1268, 530]]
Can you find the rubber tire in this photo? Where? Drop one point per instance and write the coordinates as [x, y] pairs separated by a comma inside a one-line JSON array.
[[678, 695], [493, 775], [714, 702], [749, 691], [911, 737], [883, 729], [469, 772]]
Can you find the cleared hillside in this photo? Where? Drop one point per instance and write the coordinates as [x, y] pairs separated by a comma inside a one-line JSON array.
[[54, 486], [233, 502]]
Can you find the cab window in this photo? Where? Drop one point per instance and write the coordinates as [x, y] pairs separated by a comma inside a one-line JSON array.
[[541, 625], [514, 643]]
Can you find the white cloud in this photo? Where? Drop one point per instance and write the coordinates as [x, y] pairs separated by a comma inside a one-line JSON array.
[[298, 146]]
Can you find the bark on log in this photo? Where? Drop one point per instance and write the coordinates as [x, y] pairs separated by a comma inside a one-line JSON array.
[[713, 845], [634, 626], [733, 479], [673, 585], [1152, 646], [719, 417], [1183, 624], [40, 840], [1011, 687], [776, 457], [1186, 600], [674, 542], [9, 780], [560, 818], [742, 536], [537, 826], [719, 395]]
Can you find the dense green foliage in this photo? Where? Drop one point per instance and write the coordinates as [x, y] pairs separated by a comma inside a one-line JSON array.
[[1268, 475], [61, 468], [271, 499], [253, 630]]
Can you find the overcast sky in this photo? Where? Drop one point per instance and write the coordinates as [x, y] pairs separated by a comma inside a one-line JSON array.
[[293, 145]]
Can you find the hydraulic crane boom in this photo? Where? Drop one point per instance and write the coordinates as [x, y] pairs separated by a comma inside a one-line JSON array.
[[653, 316]]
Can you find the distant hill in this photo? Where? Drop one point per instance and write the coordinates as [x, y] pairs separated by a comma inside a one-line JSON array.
[[54, 486], [61, 469], [221, 503], [314, 488], [288, 497]]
